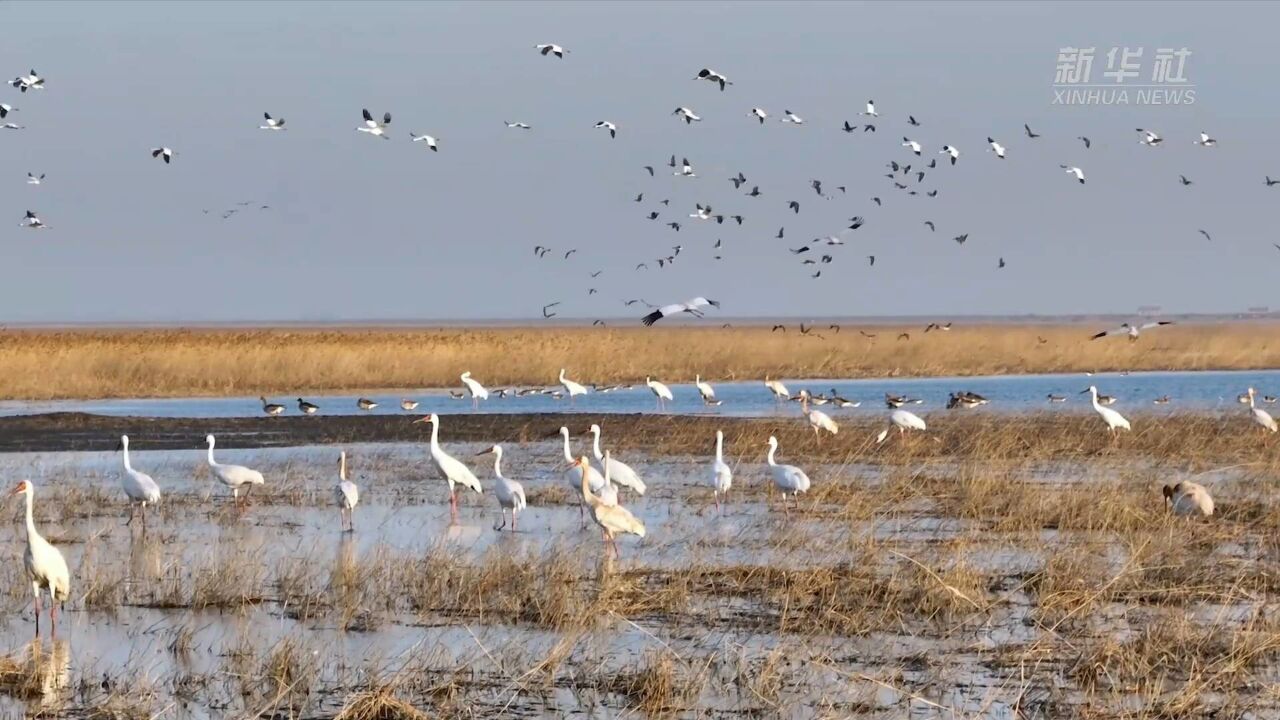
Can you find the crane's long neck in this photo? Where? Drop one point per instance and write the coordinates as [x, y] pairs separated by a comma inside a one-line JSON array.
[[595, 444], [567, 455], [605, 462], [497, 462], [719, 448], [31, 523], [212, 463], [342, 467], [125, 447], [1251, 407], [435, 436], [1093, 393], [773, 447], [591, 499]]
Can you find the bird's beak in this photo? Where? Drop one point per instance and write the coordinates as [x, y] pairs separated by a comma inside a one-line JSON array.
[[21, 486], [484, 452], [1082, 392], [421, 420], [714, 303]]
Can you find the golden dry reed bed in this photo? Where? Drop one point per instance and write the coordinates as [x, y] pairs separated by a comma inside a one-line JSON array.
[[43, 364]]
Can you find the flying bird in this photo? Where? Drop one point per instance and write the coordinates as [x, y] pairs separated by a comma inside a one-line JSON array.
[[33, 221], [790, 117], [961, 239], [1074, 171], [551, 49], [34, 179], [687, 115], [1086, 142], [1183, 179], [758, 114], [693, 307], [949, 150], [5, 109], [794, 205], [1149, 138], [516, 125], [373, 127], [1131, 331], [931, 227], [996, 148], [613, 130], [1205, 140], [1206, 235], [545, 308], [712, 76], [271, 123], [1030, 134], [430, 141], [915, 146], [164, 153]]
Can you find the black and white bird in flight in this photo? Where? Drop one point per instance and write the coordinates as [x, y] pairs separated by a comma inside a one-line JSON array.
[[693, 307], [5, 109], [373, 127], [33, 221], [162, 152], [790, 117], [686, 169], [759, 114], [1205, 140], [996, 148], [430, 141], [712, 76], [606, 125], [871, 109], [1071, 170], [915, 146], [551, 49], [949, 150], [271, 123], [516, 125], [35, 179], [1131, 331], [28, 82], [687, 115], [1149, 138]]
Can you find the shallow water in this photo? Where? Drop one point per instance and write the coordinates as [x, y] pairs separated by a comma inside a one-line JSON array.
[[1007, 393]]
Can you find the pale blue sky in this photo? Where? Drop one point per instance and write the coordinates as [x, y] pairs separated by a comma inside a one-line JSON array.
[[361, 228]]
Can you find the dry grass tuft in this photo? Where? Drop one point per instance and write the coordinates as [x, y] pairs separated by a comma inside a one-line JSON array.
[[380, 703]]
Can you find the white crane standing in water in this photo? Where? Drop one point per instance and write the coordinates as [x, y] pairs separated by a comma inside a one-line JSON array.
[[347, 495], [234, 476], [46, 568], [475, 389], [138, 486], [450, 468], [789, 479], [1114, 420], [510, 493], [721, 474], [1260, 416]]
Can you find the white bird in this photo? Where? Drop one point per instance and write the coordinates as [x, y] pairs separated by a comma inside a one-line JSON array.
[[347, 495], [518, 125], [818, 420], [138, 486], [11, 126], [606, 125], [790, 117], [909, 143], [1260, 416], [712, 76], [707, 392], [1131, 331], [46, 568], [660, 391], [234, 476], [612, 519], [903, 420], [996, 148], [272, 123], [572, 389], [475, 389], [779, 390], [164, 153], [1113, 419], [510, 493], [1150, 138], [693, 307], [373, 127], [5, 109], [701, 213], [607, 493], [617, 471], [551, 49], [33, 221], [949, 150], [871, 109], [1205, 140], [686, 170], [787, 478], [1071, 170], [450, 468], [759, 114], [28, 82], [687, 115], [34, 179], [721, 474], [429, 140], [1188, 498]]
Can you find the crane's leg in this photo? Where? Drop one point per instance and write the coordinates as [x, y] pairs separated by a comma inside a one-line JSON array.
[[130, 520], [513, 519], [37, 590], [502, 513], [247, 490], [351, 520], [453, 506], [717, 496], [53, 616]]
